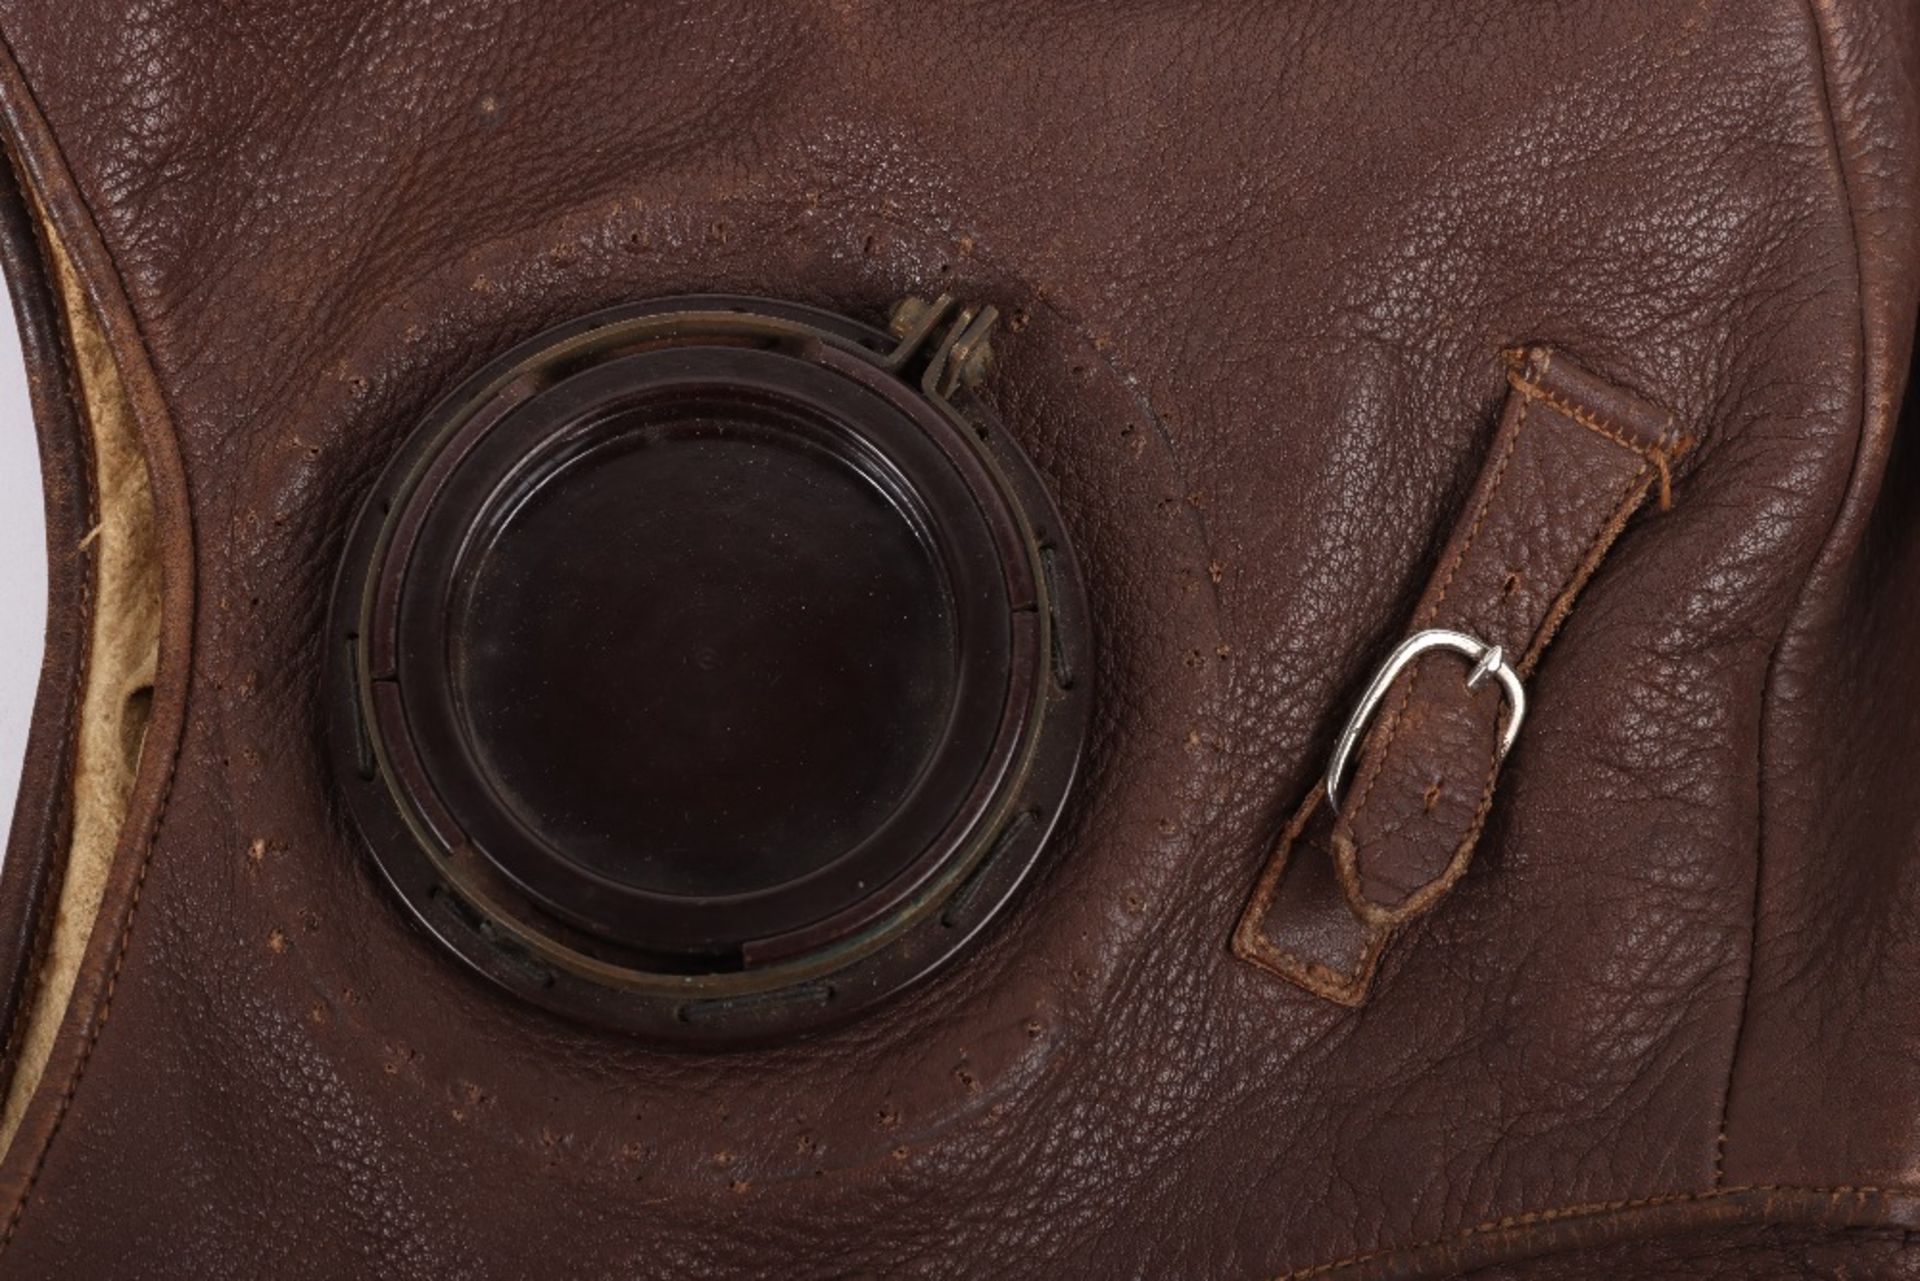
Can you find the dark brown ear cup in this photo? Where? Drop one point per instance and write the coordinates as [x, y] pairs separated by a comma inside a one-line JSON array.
[[707, 667]]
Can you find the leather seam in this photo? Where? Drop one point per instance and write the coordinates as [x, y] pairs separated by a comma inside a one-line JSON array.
[[72, 1084], [1562, 605], [164, 796], [1592, 1209], [1672, 443], [82, 668], [1252, 945], [1837, 151]]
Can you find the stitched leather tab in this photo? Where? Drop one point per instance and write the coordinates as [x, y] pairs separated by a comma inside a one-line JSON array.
[[1572, 460]]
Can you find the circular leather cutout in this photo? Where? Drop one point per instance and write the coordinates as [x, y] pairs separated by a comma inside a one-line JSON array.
[[706, 666]]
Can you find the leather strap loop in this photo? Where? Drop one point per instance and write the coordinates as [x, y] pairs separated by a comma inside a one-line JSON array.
[[1573, 459]]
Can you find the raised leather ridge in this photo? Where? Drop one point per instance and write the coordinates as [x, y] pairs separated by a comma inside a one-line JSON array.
[[43, 819]]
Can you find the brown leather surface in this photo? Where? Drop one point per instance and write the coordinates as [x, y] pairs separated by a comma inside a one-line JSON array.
[[1262, 262]]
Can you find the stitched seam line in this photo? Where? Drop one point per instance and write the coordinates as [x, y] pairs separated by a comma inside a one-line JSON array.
[[1670, 445], [1671, 441], [1531, 1218], [1821, 60], [1562, 605], [72, 1084], [83, 663]]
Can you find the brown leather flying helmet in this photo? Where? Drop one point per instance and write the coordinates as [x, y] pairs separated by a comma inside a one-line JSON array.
[[1330, 696]]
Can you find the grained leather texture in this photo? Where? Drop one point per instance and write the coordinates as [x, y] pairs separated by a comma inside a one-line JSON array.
[[1260, 264]]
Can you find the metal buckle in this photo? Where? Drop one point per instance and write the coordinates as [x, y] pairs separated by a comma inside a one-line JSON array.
[[1487, 659]]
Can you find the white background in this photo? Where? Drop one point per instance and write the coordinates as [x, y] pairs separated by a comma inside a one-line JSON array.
[[23, 565]]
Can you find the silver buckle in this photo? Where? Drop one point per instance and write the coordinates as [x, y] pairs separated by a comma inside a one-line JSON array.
[[1487, 659]]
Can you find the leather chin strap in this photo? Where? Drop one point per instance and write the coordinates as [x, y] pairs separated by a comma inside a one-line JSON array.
[[1572, 461]]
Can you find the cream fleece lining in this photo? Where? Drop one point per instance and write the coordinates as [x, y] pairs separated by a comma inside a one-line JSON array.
[[121, 654]]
